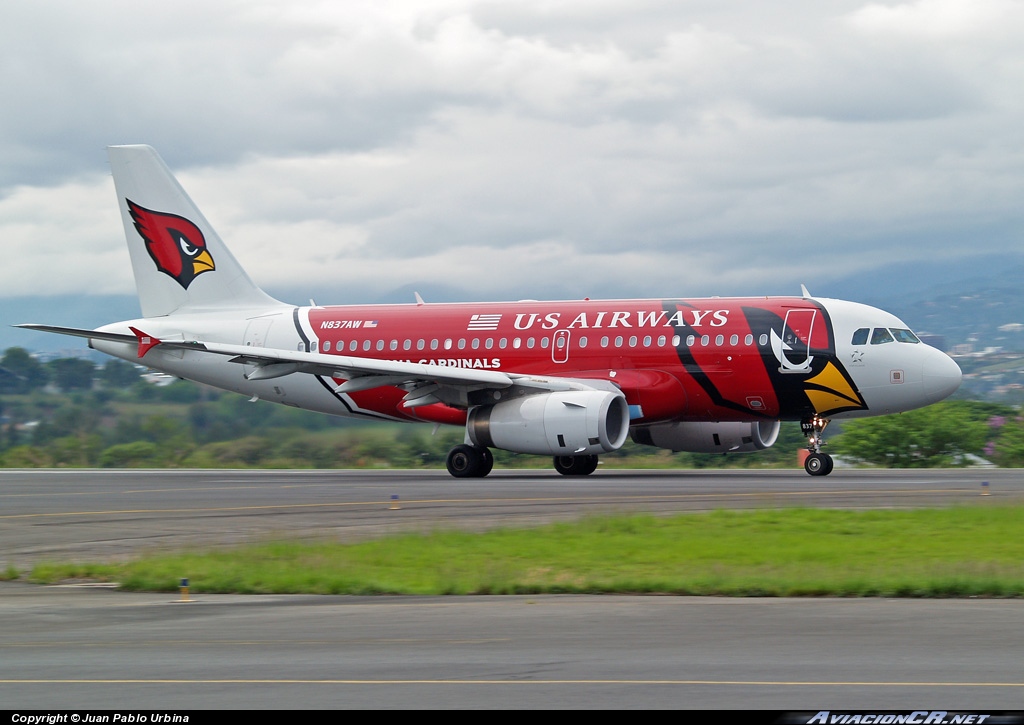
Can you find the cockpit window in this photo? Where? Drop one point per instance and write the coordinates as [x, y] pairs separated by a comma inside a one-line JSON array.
[[904, 335], [860, 337], [880, 336]]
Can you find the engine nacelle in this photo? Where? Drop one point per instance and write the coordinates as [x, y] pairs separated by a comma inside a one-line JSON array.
[[709, 437], [569, 423]]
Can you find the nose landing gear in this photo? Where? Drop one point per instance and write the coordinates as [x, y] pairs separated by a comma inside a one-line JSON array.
[[817, 463]]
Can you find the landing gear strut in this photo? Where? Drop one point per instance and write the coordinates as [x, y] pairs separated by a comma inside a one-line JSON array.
[[817, 463], [575, 465], [469, 461]]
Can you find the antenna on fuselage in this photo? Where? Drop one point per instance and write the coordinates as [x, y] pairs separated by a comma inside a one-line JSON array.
[[804, 292]]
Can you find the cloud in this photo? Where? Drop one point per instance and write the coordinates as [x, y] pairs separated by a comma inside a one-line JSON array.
[[537, 148]]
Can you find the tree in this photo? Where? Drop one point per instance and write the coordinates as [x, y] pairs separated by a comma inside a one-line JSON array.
[[72, 373], [939, 435], [20, 372], [1008, 448], [118, 374]]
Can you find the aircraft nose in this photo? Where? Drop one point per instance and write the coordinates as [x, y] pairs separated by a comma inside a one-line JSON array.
[[941, 375]]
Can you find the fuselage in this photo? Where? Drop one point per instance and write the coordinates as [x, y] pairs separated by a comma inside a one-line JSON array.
[[710, 359]]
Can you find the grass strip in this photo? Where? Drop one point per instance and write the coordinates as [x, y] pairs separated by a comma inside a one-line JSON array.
[[956, 552]]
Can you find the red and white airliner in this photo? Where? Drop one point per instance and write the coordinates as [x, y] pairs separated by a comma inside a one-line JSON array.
[[565, 379]]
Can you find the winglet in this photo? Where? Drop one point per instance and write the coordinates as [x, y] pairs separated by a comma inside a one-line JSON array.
[[146, 342]]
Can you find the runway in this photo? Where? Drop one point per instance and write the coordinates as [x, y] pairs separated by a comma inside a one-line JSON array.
[[103, 514], [77, 648]]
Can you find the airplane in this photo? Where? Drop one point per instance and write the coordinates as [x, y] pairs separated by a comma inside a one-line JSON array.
[[567, 379]]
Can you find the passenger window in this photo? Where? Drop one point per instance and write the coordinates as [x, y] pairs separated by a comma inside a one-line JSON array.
[[544, 342], [860, 337], [434, 343], [618, 341], [407, 345], [632, 340], [420, 344], [489, 343], [661, 341], [327, 345], [476, 343], [880, 336], [604, 341], [719, 340], [748, 340], [705, 340], [531, 343], [380, 344], [690, 339], [353, 345], [394, 345], [582, 341], [366, 345], [734, 340], [462, 343], [762, 340]]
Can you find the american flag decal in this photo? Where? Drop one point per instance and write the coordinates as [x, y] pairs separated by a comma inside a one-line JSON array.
[[484, 322], [370, 323]]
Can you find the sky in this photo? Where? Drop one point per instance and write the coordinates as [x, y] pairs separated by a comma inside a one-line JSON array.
[[530, 149]]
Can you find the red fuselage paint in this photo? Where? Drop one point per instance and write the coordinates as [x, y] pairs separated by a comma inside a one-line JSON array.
[[674, 359]]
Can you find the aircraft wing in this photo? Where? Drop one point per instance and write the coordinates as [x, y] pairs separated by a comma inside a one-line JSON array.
[[424, 382]]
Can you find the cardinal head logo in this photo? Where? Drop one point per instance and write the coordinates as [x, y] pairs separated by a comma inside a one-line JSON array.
[[175, 244]]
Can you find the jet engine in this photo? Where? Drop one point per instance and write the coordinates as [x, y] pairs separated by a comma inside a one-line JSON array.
[[568, 423], [709, 437]]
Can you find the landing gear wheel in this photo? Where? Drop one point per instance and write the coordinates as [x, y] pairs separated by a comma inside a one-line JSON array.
[[818, 464], [469, 462], [575, 465]]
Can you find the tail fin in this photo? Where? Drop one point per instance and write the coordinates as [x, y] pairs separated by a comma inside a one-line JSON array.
[[179, 261]]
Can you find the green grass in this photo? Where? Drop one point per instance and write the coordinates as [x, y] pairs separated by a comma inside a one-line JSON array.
[[956, 552]]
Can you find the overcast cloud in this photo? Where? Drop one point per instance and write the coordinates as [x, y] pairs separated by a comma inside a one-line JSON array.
[[536, 148]]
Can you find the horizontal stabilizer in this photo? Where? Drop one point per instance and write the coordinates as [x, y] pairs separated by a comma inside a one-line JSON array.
[[78, 332]]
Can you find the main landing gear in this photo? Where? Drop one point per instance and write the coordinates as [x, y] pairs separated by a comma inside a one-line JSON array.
[[817, 463], [575, 465], [469, 461], [466, 461]]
